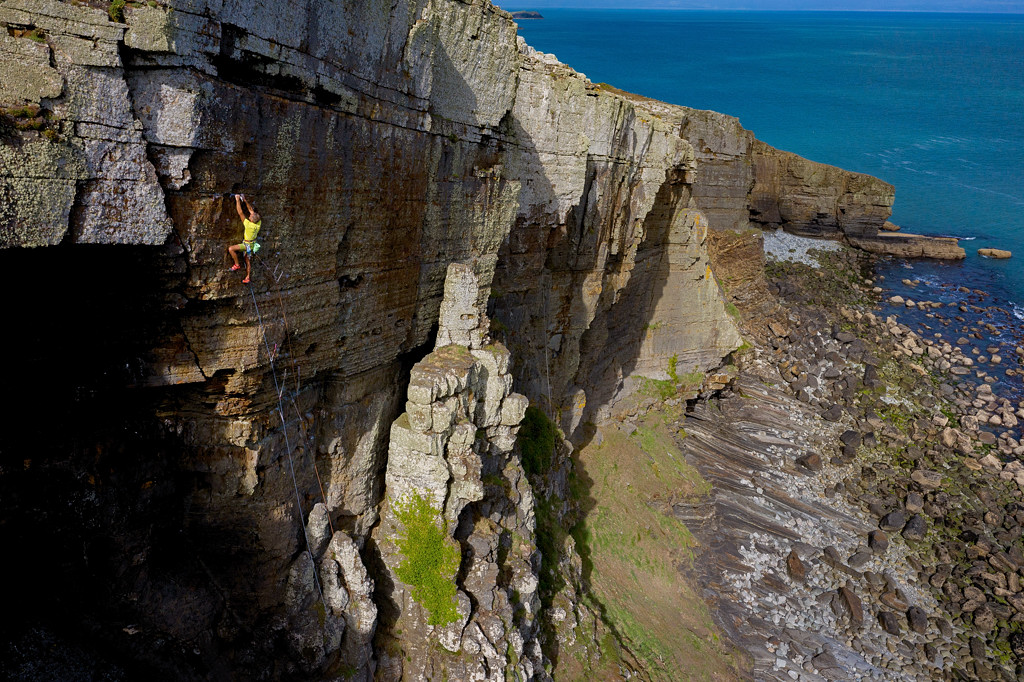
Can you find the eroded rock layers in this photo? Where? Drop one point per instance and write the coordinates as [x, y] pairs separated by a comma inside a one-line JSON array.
[[170, 421]]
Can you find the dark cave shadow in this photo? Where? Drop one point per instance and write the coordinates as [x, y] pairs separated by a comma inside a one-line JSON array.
[[92, 483]]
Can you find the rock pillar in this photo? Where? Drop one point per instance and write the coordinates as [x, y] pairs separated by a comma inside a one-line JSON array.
[[457, 432]]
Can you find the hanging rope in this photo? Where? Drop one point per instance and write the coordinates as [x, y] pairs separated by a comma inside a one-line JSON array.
[[547, 343], [288, 447], [292, 396]]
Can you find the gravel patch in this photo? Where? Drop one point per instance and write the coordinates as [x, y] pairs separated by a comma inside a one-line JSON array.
[[783, 246]]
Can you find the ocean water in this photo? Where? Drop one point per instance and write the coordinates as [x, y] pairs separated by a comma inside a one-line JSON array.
[[933, 103]]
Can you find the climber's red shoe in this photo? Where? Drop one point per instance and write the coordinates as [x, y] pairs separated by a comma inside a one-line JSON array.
[[235, 267], [245, 281]]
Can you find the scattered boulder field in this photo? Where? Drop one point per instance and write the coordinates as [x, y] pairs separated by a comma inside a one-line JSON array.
[[867, 484]]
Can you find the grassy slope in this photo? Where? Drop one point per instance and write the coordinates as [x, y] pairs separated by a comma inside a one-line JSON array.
[[635, 556]]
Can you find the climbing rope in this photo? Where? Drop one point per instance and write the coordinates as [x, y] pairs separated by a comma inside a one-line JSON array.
[[287, 444], [547, 343], [296, 369]]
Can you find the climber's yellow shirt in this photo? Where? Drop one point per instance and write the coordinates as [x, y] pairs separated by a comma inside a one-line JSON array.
[[251, 230]]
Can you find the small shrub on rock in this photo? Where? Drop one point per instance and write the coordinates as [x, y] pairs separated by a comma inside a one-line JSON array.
[[116, 10]]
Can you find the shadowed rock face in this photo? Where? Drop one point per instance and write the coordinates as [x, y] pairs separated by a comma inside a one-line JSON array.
[[168, 406]]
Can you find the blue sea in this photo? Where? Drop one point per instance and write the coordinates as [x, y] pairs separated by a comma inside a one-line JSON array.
[[933, 103]]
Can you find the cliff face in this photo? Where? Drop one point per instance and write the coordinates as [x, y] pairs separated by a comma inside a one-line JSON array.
[[180, 417]]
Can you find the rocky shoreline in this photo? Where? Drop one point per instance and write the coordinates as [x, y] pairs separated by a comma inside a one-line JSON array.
[[867, 506]]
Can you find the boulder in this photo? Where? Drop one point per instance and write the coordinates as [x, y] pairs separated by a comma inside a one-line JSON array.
[[1017, 645], [795, 567], [778, 329], [916, 528], [893, 521], [994, 253], [851, 604], [833, 414], [878, 541], [929, 480], [858, 559], [851, 438], [917, 619], [889, 622], [829, 666], [893, 601], [984, 618], [811, 461]]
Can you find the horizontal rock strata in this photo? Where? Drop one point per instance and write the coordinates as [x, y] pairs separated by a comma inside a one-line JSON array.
[[381, 142]]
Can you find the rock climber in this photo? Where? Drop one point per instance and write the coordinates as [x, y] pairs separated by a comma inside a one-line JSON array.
[[248, 245]]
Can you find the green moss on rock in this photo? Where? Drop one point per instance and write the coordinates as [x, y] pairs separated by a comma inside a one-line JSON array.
[[430, 559]]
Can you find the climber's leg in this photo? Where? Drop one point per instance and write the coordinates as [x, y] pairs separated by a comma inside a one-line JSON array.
[[248, 265], [233, 250]]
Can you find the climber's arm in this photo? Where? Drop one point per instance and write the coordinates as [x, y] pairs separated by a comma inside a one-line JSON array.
[[252, 209], [254, 215], [238, 207]]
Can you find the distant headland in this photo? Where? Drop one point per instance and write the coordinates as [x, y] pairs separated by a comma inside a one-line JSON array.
[[527, 15]]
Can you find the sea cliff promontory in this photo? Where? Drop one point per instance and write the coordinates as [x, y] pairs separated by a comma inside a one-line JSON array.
[[472, 258]]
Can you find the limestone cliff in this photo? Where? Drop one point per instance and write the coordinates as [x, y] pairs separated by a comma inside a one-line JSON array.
[[214, 464]]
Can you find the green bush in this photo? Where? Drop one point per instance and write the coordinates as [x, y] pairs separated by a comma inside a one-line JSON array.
[[537, 441], [431, 559], [116, 10]]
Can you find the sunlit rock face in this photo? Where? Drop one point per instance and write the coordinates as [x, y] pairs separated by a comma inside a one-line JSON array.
[[193, 422]]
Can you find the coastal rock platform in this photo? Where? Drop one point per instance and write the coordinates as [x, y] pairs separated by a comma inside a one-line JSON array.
[[787, 565], [906, 245]]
